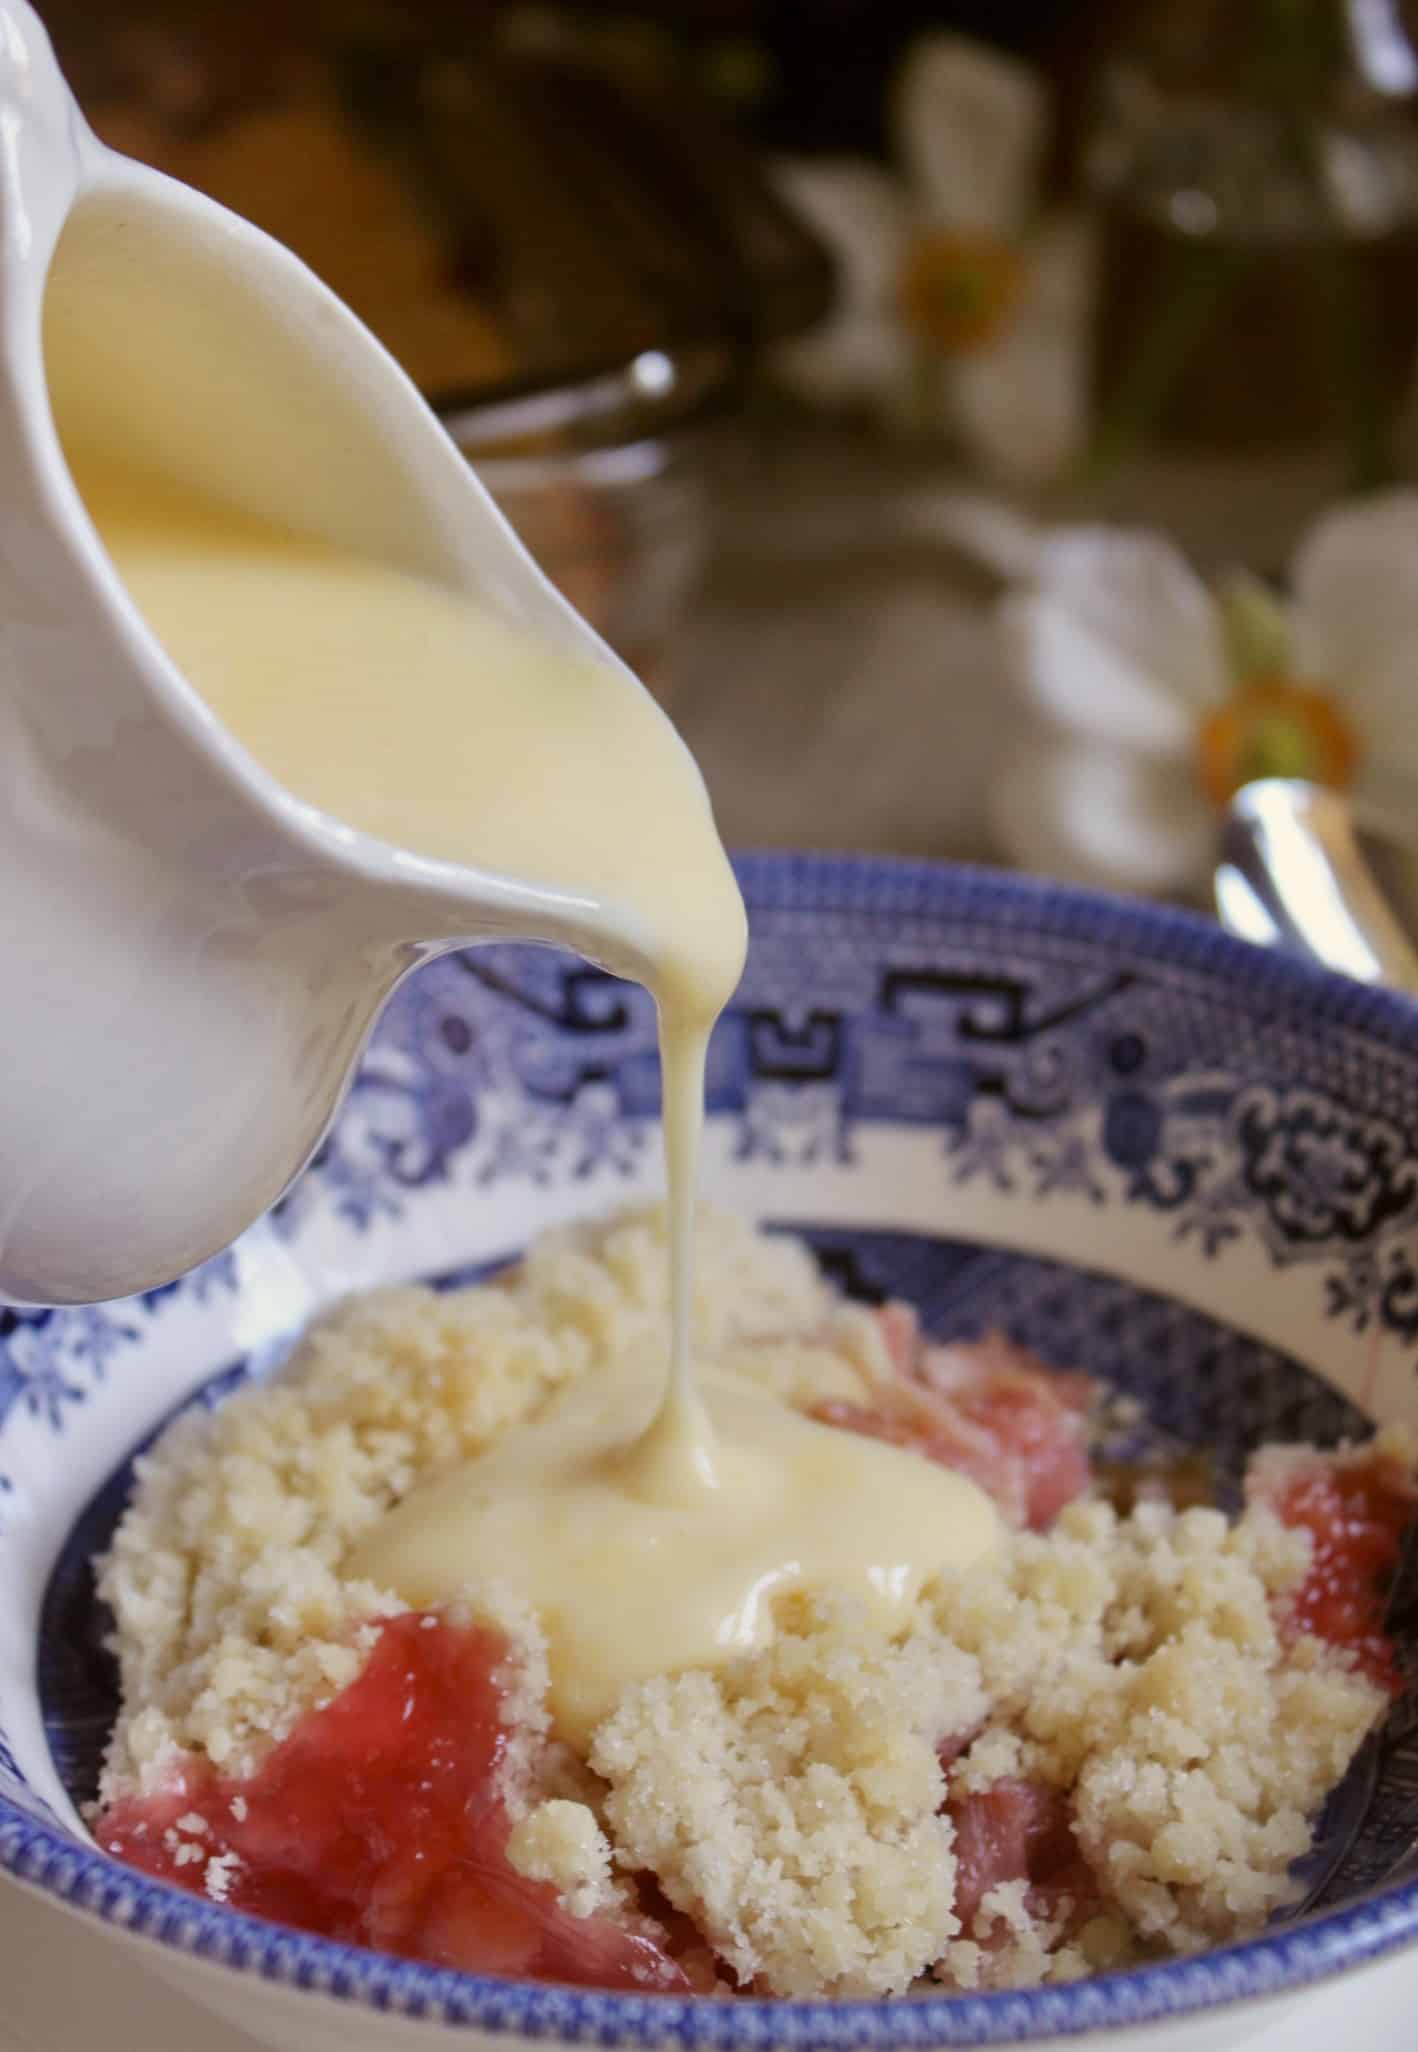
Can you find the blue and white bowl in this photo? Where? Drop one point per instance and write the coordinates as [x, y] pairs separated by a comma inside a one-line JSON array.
[[1146, 1149]]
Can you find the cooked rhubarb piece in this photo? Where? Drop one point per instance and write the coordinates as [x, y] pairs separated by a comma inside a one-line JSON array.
[[986, 1407], [381, 1821], [1355, 1507], [1018, 1830]]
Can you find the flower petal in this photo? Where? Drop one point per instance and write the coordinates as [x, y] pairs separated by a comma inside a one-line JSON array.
[[1138, 597], [860, 212], [1089, 689], [846, 361], [984, 529], [1021, 401], [970, 127], [1356, 600], [1096, 816]]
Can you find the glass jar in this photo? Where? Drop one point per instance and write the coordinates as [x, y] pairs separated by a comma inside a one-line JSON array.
[[607, 481], [1254, 168]]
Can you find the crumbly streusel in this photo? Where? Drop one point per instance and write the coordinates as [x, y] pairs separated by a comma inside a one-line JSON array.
[[797, 1805]]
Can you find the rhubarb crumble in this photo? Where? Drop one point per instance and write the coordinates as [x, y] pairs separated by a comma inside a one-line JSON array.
[[1104, 1744]]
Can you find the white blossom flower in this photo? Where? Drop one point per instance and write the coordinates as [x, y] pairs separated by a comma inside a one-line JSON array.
[[1151, 698], [959, 311]]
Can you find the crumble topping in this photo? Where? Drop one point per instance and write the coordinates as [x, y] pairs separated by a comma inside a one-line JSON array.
[[1101, 1746], [562, 1842], [790, 1804]]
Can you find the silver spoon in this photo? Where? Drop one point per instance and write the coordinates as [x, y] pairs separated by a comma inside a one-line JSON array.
[[1310, 872]]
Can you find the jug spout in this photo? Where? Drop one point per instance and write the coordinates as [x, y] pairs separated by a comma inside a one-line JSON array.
[[191, 956]]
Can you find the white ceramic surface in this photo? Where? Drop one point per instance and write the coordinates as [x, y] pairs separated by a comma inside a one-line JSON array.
[[190, 958]]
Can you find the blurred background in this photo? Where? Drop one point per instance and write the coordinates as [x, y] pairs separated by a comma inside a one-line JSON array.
[[784, 332]]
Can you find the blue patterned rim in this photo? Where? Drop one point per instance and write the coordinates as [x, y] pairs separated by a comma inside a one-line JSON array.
[[1289, 1957]]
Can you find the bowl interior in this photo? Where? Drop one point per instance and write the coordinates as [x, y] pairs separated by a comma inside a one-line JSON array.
[[1138, 1147]]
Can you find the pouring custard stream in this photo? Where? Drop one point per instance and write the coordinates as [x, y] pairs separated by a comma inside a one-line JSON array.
[[649, 1520]]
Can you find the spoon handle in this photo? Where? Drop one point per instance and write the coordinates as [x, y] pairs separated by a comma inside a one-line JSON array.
[[1296, 871]]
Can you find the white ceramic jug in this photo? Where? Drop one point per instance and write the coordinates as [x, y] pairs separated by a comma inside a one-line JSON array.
[[190, 959]]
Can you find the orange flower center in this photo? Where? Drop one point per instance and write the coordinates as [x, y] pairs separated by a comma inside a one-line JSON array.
[[956, 289], [1273, 727]]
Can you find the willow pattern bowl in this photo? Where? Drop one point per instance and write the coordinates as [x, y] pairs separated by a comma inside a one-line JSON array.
[[1144, 1148]]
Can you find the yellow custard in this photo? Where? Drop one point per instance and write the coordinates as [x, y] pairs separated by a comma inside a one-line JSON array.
[[406, 709], [649, 1519], [633, 1578]]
